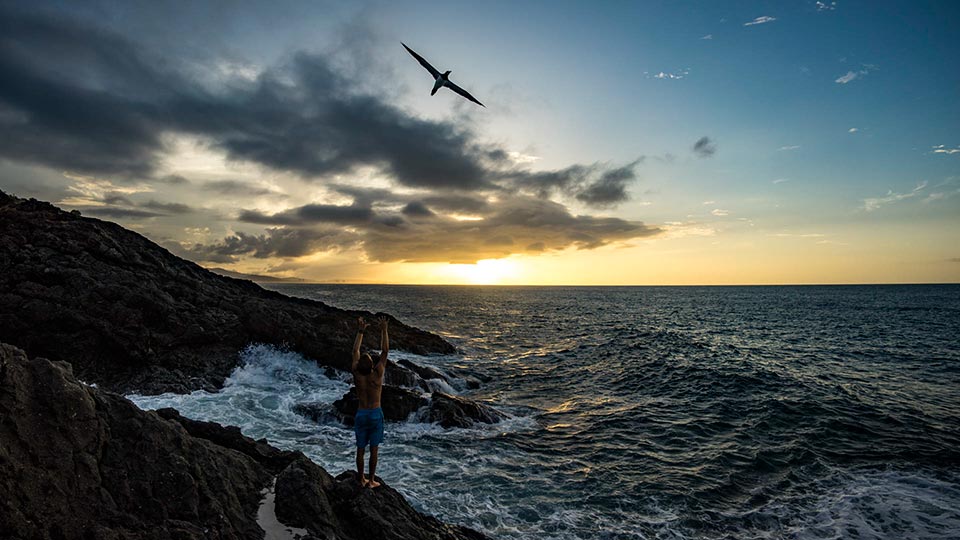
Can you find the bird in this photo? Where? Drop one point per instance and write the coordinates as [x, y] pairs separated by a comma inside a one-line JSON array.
[[441, 79]]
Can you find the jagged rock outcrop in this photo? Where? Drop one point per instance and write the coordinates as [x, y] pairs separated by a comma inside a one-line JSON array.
[[77, 462], [131, 316], [338, 508], [399, 403], [455, 411]]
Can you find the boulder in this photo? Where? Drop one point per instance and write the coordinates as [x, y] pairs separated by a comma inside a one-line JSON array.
[[424, 372], [132, 317], [397, 404], [455, 411], [338, 508]]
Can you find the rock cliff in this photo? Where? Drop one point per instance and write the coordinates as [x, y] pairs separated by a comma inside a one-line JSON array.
[[78, 462], [133, 317]]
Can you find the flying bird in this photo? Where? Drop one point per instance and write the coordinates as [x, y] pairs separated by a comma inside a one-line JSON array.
[[441, 79]]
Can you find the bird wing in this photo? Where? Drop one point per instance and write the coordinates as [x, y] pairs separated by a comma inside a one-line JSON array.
[[463, 93], [433, 71]]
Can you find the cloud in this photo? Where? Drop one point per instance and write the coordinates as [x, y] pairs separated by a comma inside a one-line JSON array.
[[665, 75], [120, 213], [92, 101], [610, 188], [275, 242], [84, 99], [704, 147], [788, 148], [852, 130], [538, 225], [238, 189], [942, 149], [311, 213], [781, 180], [875, 203], [851, 76], [760, 20], [167, 208], [708, 36], [417, 209], [719, 213], [823, 6], [955, 259]]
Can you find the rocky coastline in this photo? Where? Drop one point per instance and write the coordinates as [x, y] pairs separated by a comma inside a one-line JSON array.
[[90, 310]]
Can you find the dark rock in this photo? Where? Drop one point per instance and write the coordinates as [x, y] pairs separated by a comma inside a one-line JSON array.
[[397, 404], [423, 371], [338, 508], [302, 497], [79, 462], [454, 411], [316, 411], [230, 437], [131, 316], [383, 514], [396, 375]]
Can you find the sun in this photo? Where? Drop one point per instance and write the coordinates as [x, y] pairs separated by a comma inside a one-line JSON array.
[[484, 272]]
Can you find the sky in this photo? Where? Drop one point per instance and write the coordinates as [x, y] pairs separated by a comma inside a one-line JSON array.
[[653, 143]]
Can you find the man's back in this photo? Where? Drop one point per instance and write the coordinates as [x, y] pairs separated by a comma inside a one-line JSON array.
[[369, 387]]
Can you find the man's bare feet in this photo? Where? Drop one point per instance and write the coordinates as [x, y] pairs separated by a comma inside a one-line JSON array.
[[363, 481], [372, 483]]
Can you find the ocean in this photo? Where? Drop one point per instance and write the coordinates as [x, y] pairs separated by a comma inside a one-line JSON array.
[[653, 412]]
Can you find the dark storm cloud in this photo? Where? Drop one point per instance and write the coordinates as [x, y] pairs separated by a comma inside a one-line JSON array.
[[417, 209], [237, 188], [173, 180], [275, 242], [704, 147], [120, 213], [167, 208], [610, 189], [114, 199], [79, 98], [85, 99], [311, 213], [538, 224]]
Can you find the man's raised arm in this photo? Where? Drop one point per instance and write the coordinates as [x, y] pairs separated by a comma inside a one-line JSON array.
[[361, 326], [384, 339]]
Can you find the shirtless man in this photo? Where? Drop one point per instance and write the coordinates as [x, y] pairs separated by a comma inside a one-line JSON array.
[[368, 376]]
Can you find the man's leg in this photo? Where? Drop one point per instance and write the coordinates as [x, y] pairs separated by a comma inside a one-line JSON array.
[[374, 451], [362, 480]]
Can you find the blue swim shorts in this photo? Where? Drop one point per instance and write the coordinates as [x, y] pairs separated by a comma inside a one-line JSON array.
[[368, 425]]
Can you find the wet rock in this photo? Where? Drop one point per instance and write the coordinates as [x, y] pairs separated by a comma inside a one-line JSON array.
[[454, 411], [317, 411], [230, 437], [397, 404], [424, 372], [396, 375], [131, 316], [384, 514], [79, 462]]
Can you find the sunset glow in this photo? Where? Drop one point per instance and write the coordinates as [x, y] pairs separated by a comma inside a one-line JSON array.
[[650, 147]]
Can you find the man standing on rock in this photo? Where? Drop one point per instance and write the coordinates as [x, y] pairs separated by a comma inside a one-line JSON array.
[[368, 422]]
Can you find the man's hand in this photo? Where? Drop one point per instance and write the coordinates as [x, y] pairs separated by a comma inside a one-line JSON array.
[[361, 324], [384, 321]]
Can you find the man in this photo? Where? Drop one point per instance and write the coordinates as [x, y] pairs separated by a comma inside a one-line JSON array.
[[368, 377]]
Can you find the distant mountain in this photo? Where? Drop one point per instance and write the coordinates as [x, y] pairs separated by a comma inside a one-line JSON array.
[[257, 278]]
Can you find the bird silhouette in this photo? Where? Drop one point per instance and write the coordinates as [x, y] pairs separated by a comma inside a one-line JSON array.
[[441, 79]]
